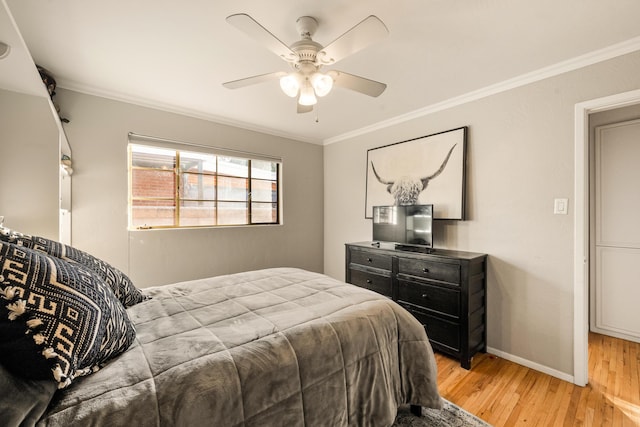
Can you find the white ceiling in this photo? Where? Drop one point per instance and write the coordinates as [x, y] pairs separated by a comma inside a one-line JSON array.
[[175, 55], [17, 73]]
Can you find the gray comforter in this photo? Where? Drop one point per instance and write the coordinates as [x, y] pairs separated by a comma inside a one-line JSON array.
[[276, 347]]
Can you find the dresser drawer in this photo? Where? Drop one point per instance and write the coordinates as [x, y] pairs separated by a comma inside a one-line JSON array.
[[439, 331], [430, 270], [434, 298], [376, 260], [376, 282]]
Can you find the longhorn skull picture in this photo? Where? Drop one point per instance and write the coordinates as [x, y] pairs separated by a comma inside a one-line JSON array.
[[425, 170], [405, 190]]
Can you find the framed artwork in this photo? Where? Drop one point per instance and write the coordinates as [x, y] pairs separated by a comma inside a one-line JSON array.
[[425, 170]]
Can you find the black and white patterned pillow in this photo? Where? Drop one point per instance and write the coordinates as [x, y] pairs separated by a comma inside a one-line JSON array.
[[121, 285], [58, 320]]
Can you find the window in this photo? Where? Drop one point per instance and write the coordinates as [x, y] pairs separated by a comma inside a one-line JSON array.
[[171, 188]]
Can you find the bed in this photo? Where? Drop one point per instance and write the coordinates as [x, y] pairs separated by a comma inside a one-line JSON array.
[[273, 347]]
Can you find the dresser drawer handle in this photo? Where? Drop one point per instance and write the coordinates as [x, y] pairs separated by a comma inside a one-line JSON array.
[[369, 260], [369, 281], [425, 296], [425, 270]]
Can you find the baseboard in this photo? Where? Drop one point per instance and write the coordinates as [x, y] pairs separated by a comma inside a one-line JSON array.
[[533, 365], [615, 333]]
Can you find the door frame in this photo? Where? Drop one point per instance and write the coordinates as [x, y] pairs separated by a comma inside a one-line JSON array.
[[581, 226]]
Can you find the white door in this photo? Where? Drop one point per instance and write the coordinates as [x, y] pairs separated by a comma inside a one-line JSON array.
[[615, 296]]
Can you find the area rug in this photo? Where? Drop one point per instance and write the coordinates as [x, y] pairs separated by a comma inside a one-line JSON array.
[[449, 416]]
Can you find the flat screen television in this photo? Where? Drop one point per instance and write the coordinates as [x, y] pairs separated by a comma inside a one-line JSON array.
[[409, 227]]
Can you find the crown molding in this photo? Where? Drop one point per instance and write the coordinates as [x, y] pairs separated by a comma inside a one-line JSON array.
[[142, 102], [610, 52]]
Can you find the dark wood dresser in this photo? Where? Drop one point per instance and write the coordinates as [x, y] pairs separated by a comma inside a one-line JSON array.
[[445, 290]]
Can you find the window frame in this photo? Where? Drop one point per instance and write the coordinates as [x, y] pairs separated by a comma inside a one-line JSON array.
[[178, 177]]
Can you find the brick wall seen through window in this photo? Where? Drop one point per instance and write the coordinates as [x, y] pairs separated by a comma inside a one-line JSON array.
[[175, 188]]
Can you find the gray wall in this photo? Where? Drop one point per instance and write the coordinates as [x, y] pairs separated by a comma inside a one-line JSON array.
[[98, 134], [520, 157], [29, 145]]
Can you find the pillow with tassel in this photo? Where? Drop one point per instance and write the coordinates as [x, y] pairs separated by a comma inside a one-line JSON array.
[[58, 320]]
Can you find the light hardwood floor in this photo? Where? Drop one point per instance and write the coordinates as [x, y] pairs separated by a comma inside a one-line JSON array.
[[504, 393]]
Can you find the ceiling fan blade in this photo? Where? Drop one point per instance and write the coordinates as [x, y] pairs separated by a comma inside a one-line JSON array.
[[248, 81], [357, 83], [368, 31], [304, 108], [253, 29]]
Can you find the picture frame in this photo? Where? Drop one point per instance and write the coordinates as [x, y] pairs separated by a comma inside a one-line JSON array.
[[429, 169]]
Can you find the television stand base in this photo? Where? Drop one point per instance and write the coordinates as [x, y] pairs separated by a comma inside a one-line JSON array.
[[411, 248]]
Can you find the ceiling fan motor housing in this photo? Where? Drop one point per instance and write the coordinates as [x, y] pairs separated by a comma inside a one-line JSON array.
[[306, 50]]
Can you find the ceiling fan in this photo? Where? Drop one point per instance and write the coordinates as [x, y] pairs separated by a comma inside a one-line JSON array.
[[307, 57]]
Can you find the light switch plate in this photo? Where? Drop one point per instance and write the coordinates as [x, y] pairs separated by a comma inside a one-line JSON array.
[[560, 206]]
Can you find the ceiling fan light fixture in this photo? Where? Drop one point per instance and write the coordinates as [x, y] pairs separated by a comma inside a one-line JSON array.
[[307, 96], [322, 83], [290, 85]]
